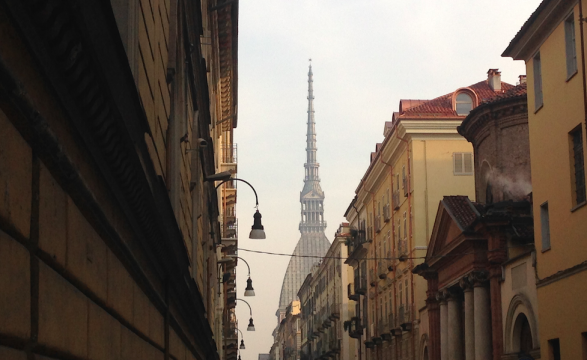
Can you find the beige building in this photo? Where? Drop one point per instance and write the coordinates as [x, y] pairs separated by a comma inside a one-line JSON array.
[[551, 44], [113, 115], [421, 158], [325, 305]]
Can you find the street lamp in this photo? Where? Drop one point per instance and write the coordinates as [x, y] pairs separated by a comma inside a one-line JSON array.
[[249, 291], [251, 326], [242, 346], [257, 230]]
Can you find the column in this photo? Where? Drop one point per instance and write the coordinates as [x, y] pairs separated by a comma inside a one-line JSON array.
[[482, 318], [454, 326], [469, 319], [443, 328]]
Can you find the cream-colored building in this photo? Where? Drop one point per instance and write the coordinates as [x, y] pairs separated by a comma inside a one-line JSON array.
[[551, 44], [421, 158], [325, 304]]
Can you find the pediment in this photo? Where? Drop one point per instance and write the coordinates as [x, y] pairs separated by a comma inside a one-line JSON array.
[[454, 216]]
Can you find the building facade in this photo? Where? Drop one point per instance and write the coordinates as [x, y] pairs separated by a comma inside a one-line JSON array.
[[313, 241], [551, 44], [113, 116], [421, 159], [481, 296], [325, 305]]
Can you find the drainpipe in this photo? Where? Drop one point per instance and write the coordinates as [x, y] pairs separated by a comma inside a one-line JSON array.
[[411, 261]]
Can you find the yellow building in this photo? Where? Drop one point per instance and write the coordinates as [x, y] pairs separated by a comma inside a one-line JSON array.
[[421, 159], [550, 44], [113, 115]]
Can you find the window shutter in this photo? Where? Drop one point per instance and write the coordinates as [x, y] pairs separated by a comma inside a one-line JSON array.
[[458, 163], [468, 160]]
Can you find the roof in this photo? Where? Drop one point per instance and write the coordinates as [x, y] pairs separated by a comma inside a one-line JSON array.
[[442, 106], [514, 93], [526, 26], [461, 209]]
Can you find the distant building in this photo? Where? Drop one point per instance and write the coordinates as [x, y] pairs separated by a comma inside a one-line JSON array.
[[551, 44], [421, 158], [325, 305], [313, 241]]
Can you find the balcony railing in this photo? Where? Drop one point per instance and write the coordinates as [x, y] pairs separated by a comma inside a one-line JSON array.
[[395, 200], [335, 312], [360, 285], [352, 294], [382, 269], [377, 223], [389, 261], [372, 278], [404, 317], [229, 154], [402, 250]]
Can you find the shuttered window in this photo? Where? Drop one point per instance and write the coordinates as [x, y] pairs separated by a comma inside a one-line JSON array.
[[570, 46], [463, 163]]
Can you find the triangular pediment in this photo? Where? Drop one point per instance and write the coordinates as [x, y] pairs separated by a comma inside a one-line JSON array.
[[454, 216]]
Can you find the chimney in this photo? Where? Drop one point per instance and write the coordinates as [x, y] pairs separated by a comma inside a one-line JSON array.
[[494, 79], [522, 79]]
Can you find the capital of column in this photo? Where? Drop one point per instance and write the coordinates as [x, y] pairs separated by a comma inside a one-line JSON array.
[[479, 278], [466, 283], [441, 297], [451, 294]]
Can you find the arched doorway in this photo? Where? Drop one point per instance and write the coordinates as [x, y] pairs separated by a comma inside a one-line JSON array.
[[522, 334], [425, 355]]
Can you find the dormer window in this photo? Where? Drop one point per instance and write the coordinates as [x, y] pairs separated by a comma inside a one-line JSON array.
[[464, 104]]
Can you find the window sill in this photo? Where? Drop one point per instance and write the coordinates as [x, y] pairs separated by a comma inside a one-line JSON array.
[[572, 75], [545, 250], [538, 109], [578, 206]]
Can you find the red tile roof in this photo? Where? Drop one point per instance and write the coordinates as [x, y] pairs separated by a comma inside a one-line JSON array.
[[461, 209], [442, 106]]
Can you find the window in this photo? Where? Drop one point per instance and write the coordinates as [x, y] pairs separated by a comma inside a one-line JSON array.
[[405, 224], [570, 46], [464, 104], [554, 349], [545, 226], [537, 82], [577, 165], [463, 163]]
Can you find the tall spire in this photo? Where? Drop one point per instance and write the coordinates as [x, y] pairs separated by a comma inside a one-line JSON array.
[[312, 196]]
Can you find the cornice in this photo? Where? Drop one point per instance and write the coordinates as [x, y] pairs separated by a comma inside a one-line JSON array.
[[540, 25]]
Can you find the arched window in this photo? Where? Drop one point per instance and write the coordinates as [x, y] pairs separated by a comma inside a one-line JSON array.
[[464, 104]]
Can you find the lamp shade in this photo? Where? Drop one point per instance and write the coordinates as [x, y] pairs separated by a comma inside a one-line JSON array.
[[242, 347], [249, 291], [257, 231], [251, 326]]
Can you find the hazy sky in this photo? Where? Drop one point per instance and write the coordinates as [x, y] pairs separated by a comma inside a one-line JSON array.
[[366, 56]]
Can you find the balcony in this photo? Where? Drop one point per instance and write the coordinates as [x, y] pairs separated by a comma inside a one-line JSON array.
[[230, 233], [351, 292], [395, 200], [228, 158], [404, 317], [386, 213], [382, 269], [372, 278], [335, 312], [389, 261], [377, 224], [355, 328], [402, 250], [361, 285]]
